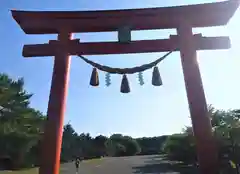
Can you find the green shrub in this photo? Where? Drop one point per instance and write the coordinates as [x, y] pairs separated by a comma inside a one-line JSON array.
[[181, 147]]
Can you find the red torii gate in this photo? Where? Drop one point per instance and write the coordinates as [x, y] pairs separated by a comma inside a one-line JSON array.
[[183, 18]]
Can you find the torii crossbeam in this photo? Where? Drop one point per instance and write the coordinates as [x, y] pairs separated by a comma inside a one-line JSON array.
[[182, 18]]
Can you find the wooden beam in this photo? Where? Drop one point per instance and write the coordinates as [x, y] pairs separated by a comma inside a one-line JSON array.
[[42, 26], [144, 46], [44, 22]]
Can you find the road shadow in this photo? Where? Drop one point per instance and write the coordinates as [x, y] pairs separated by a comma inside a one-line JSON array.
[[162, 165]]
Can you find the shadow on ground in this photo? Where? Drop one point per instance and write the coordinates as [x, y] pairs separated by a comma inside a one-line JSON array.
[[160, 164]]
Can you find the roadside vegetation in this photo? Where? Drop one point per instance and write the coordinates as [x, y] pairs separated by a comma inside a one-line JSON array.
[[21, 127]]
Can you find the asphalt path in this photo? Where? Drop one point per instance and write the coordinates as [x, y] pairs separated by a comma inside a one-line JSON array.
[[153, 164]]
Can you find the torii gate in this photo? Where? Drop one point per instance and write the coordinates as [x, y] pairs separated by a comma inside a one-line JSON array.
[[183, 18]]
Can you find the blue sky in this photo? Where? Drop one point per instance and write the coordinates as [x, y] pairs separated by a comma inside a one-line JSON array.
[[147, 110]]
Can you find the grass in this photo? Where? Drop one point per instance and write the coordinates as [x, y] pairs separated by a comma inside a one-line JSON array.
[[26, 171], [29, 171], [35, 170]]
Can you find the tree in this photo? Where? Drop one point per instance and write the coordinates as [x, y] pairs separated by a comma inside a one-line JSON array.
[[132, 146], [225, 128], [69, 143], [151, 145], [181, 147], [13, 98], [99, 143], [114, 148], [20, 125], [124, 145]]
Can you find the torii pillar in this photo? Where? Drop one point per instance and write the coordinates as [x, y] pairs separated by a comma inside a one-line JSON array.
[[201, 123], [183, 18], [52, 139]]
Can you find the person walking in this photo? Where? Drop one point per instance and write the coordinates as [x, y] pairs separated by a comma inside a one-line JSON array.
[[77, 163]]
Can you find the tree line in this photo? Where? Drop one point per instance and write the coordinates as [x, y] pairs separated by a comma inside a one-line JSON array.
[[116, 145], [21, 128], [226, 129]]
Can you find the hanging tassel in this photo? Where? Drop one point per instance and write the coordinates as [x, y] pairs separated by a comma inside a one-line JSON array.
[[156, 78], [140, 78], [125, 85], [94, 81], [108, 79]]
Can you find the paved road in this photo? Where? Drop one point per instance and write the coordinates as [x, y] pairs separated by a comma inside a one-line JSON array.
[[128, 165]]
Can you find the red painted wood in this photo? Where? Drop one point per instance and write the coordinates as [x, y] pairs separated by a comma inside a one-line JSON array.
[[206, 148], [144, 46], [44, 22], [52, 139]]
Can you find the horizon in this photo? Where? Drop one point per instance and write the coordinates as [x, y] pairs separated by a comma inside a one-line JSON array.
[[164, 109]]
